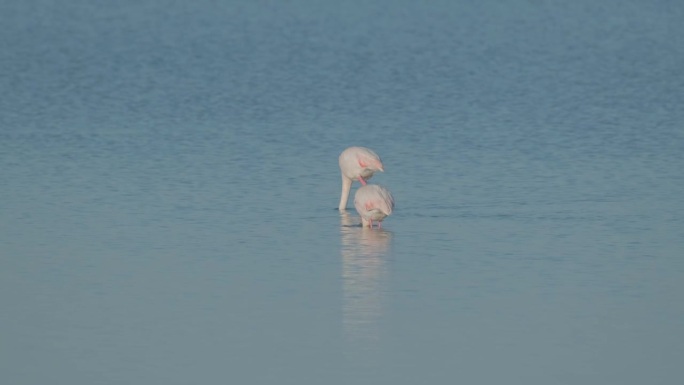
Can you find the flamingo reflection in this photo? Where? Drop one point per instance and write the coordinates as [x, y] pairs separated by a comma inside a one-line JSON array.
[[364, 277]]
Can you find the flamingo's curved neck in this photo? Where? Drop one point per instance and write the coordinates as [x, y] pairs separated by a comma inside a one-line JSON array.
[[346, 186]]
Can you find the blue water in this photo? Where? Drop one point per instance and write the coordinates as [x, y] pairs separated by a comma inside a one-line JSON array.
[[169, 184]]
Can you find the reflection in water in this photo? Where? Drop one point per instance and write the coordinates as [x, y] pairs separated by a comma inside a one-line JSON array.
[[364, 252]]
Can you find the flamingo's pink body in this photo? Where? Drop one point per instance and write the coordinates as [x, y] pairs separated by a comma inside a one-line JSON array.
[[373, 203], [357, 163]]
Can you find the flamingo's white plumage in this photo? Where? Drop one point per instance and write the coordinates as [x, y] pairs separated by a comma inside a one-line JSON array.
[[373, 203], [357, 163]]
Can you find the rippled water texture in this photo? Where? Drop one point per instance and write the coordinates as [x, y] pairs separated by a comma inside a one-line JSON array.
[[169, 184]]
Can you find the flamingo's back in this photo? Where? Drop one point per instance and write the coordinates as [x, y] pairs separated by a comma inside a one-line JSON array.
[[359, 162], [373, 202]]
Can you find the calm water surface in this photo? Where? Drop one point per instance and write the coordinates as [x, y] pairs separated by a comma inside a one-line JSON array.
[[170, 177]]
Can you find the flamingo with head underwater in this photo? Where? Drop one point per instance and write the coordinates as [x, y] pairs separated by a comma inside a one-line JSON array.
[[357, 163], [373, 203]]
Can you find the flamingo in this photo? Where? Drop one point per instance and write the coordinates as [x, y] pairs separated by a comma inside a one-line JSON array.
[[373, 203], [357, 163]]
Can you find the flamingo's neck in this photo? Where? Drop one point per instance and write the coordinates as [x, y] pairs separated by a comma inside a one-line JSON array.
[[346, 186]]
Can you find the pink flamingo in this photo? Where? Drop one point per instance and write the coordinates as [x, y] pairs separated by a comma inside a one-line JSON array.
[[373, 203], [357, 163]]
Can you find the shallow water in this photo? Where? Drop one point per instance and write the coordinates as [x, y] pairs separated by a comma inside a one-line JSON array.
[[170, 183]]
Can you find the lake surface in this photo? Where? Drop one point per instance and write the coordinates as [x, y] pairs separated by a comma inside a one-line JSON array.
[[169, 184]]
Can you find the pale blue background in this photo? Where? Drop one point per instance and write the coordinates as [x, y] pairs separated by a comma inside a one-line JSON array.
[[169, 178]]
